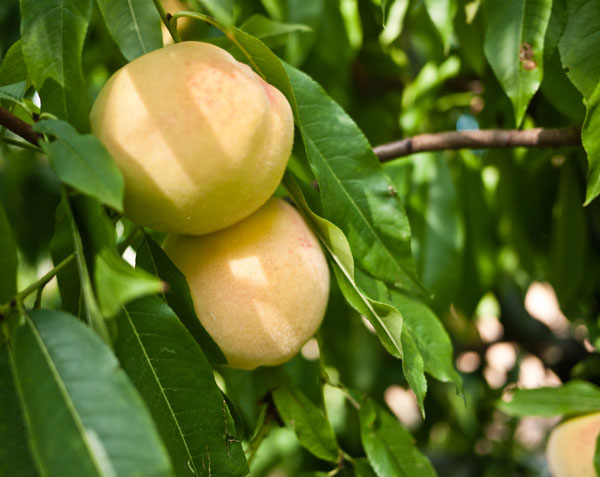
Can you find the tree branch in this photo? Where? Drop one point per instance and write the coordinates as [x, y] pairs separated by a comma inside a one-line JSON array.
[[18, 126], [480, 139]]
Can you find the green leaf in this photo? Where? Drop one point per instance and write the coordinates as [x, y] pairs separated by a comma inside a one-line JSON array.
[[82, 161], [356, 194], [597, 456], [578, 45], [575, 397], [153, 259], [53, 33], [430, 337], [99, 426], [385, 318], [13, 68], [313, 430], [118, 283], [361, 466], [15, 457], [591, 143], [437, 230], [390, 448], [115, 280], [514, 47], [13, 92], [271, 32], [442, 13], [556, 27], [74, 281], [221, 10], [8, 259], [134, 25], [569, 246], [177, 382]]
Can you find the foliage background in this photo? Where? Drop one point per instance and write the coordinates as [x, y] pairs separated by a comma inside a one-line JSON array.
[[488, 228]]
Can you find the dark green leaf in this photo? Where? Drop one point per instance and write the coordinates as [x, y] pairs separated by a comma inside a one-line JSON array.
[[575, 397], [99, 426], [53, 32], [578, 45], [514, 47], [82, 161], [356, 194], [271, 32], [430, 337], [8, 259], [362, 468], [591, 143], [13, 68], [74, 281], [115, 280], [569, 239], [313, 430], [135, 25], [177, 382], [153, 259], [15, 456], [386, 319], [560, 92], [221, 10], [556, 26], [389, 446], [437, 230], [597, 456], [13, 92]]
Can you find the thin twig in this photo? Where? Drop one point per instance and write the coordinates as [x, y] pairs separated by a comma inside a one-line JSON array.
[[39, 284], [19, 127], [480, 139]]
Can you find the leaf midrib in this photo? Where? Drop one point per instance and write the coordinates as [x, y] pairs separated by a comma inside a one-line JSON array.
[[63, 391], [353, 202], [162, 390]]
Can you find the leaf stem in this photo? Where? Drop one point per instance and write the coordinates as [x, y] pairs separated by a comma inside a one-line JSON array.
[[38, 285], [169, 20], [258, 439]]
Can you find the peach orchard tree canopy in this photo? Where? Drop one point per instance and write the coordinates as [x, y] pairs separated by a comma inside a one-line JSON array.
[[481, 190]]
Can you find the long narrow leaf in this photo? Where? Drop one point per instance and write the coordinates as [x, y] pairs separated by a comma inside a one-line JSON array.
[[177, 382], [84, 416]]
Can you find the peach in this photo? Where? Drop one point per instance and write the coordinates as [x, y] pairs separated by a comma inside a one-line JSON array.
[[260, 287], [202, 141], [571, 446]]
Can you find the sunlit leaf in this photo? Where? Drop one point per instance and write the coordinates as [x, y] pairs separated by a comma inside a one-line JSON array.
[[389, 446], [574, 397], [514, 47], [304, 417]]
